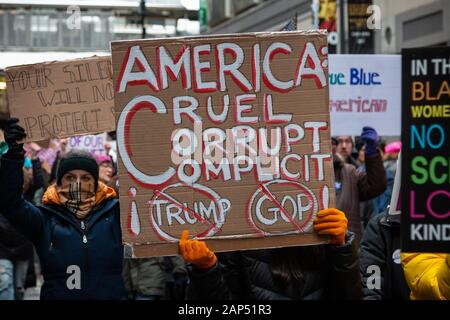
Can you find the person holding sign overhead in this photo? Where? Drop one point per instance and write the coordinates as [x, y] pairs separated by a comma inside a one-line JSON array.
[[76, 232], [301, 273]]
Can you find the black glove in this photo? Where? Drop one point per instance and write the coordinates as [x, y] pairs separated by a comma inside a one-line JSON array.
[[14, 133]]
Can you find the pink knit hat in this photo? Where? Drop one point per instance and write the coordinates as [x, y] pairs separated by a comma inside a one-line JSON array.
[[100, 158], [393, 147]]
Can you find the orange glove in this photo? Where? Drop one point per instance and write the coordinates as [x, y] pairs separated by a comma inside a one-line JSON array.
[[196, 252], [331, 222]]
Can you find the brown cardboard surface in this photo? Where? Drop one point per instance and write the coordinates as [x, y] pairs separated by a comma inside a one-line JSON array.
[[62, 98], [219, 245], [244, 211], [3, 102]]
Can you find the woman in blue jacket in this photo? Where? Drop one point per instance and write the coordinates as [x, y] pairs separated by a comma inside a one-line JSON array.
[[76, 232]]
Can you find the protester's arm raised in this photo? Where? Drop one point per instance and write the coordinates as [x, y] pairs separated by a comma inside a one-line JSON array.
[[373, 182], [22, 214]]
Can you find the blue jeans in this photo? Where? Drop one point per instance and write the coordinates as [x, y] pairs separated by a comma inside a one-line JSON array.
[[6, 280]]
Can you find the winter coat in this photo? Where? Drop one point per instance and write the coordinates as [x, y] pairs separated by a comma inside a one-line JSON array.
[[381, 270], [152, 276], [329, 272], [79, 259], [13, 245], [144, 277], [428, 275], [382, 201], [356, 186]]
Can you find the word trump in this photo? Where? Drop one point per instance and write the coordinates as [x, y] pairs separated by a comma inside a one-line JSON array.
[[168, 210]]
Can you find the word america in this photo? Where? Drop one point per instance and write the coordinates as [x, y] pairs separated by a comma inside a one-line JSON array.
[[188, 65]]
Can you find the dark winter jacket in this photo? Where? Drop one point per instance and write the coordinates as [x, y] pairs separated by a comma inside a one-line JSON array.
[[64, 244], [13, 245], [381, 270], [327, 272], [356, 186]]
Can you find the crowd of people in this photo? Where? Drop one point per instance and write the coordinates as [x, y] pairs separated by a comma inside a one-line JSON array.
[[62, 211]]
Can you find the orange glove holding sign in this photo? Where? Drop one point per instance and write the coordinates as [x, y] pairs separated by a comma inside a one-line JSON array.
[[196, 252], [331, 222]]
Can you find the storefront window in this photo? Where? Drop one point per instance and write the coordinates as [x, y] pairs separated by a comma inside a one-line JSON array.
[[18, 26], [44, 30], [2, 28]]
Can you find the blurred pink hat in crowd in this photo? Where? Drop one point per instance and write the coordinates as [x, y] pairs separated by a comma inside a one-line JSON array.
[[102, 158], [393, 147]]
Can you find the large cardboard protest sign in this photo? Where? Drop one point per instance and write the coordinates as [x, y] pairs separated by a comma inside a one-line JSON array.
[[365, 90], [226, 136], [62, 98], [425, 192]]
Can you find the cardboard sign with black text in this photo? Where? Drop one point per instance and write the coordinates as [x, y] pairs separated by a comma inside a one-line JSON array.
[[226, 136], [62, 98], [425, 185]]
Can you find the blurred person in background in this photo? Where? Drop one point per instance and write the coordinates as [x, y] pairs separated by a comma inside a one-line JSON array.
[[360, 152], [34, 176], [3, 144], [156, 278], [391, 153], [111, 146], [105, 167], [353, 186], [345, 146], [16, 252], [368, 207], [62, 149], [107, 171], [144, 278]]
